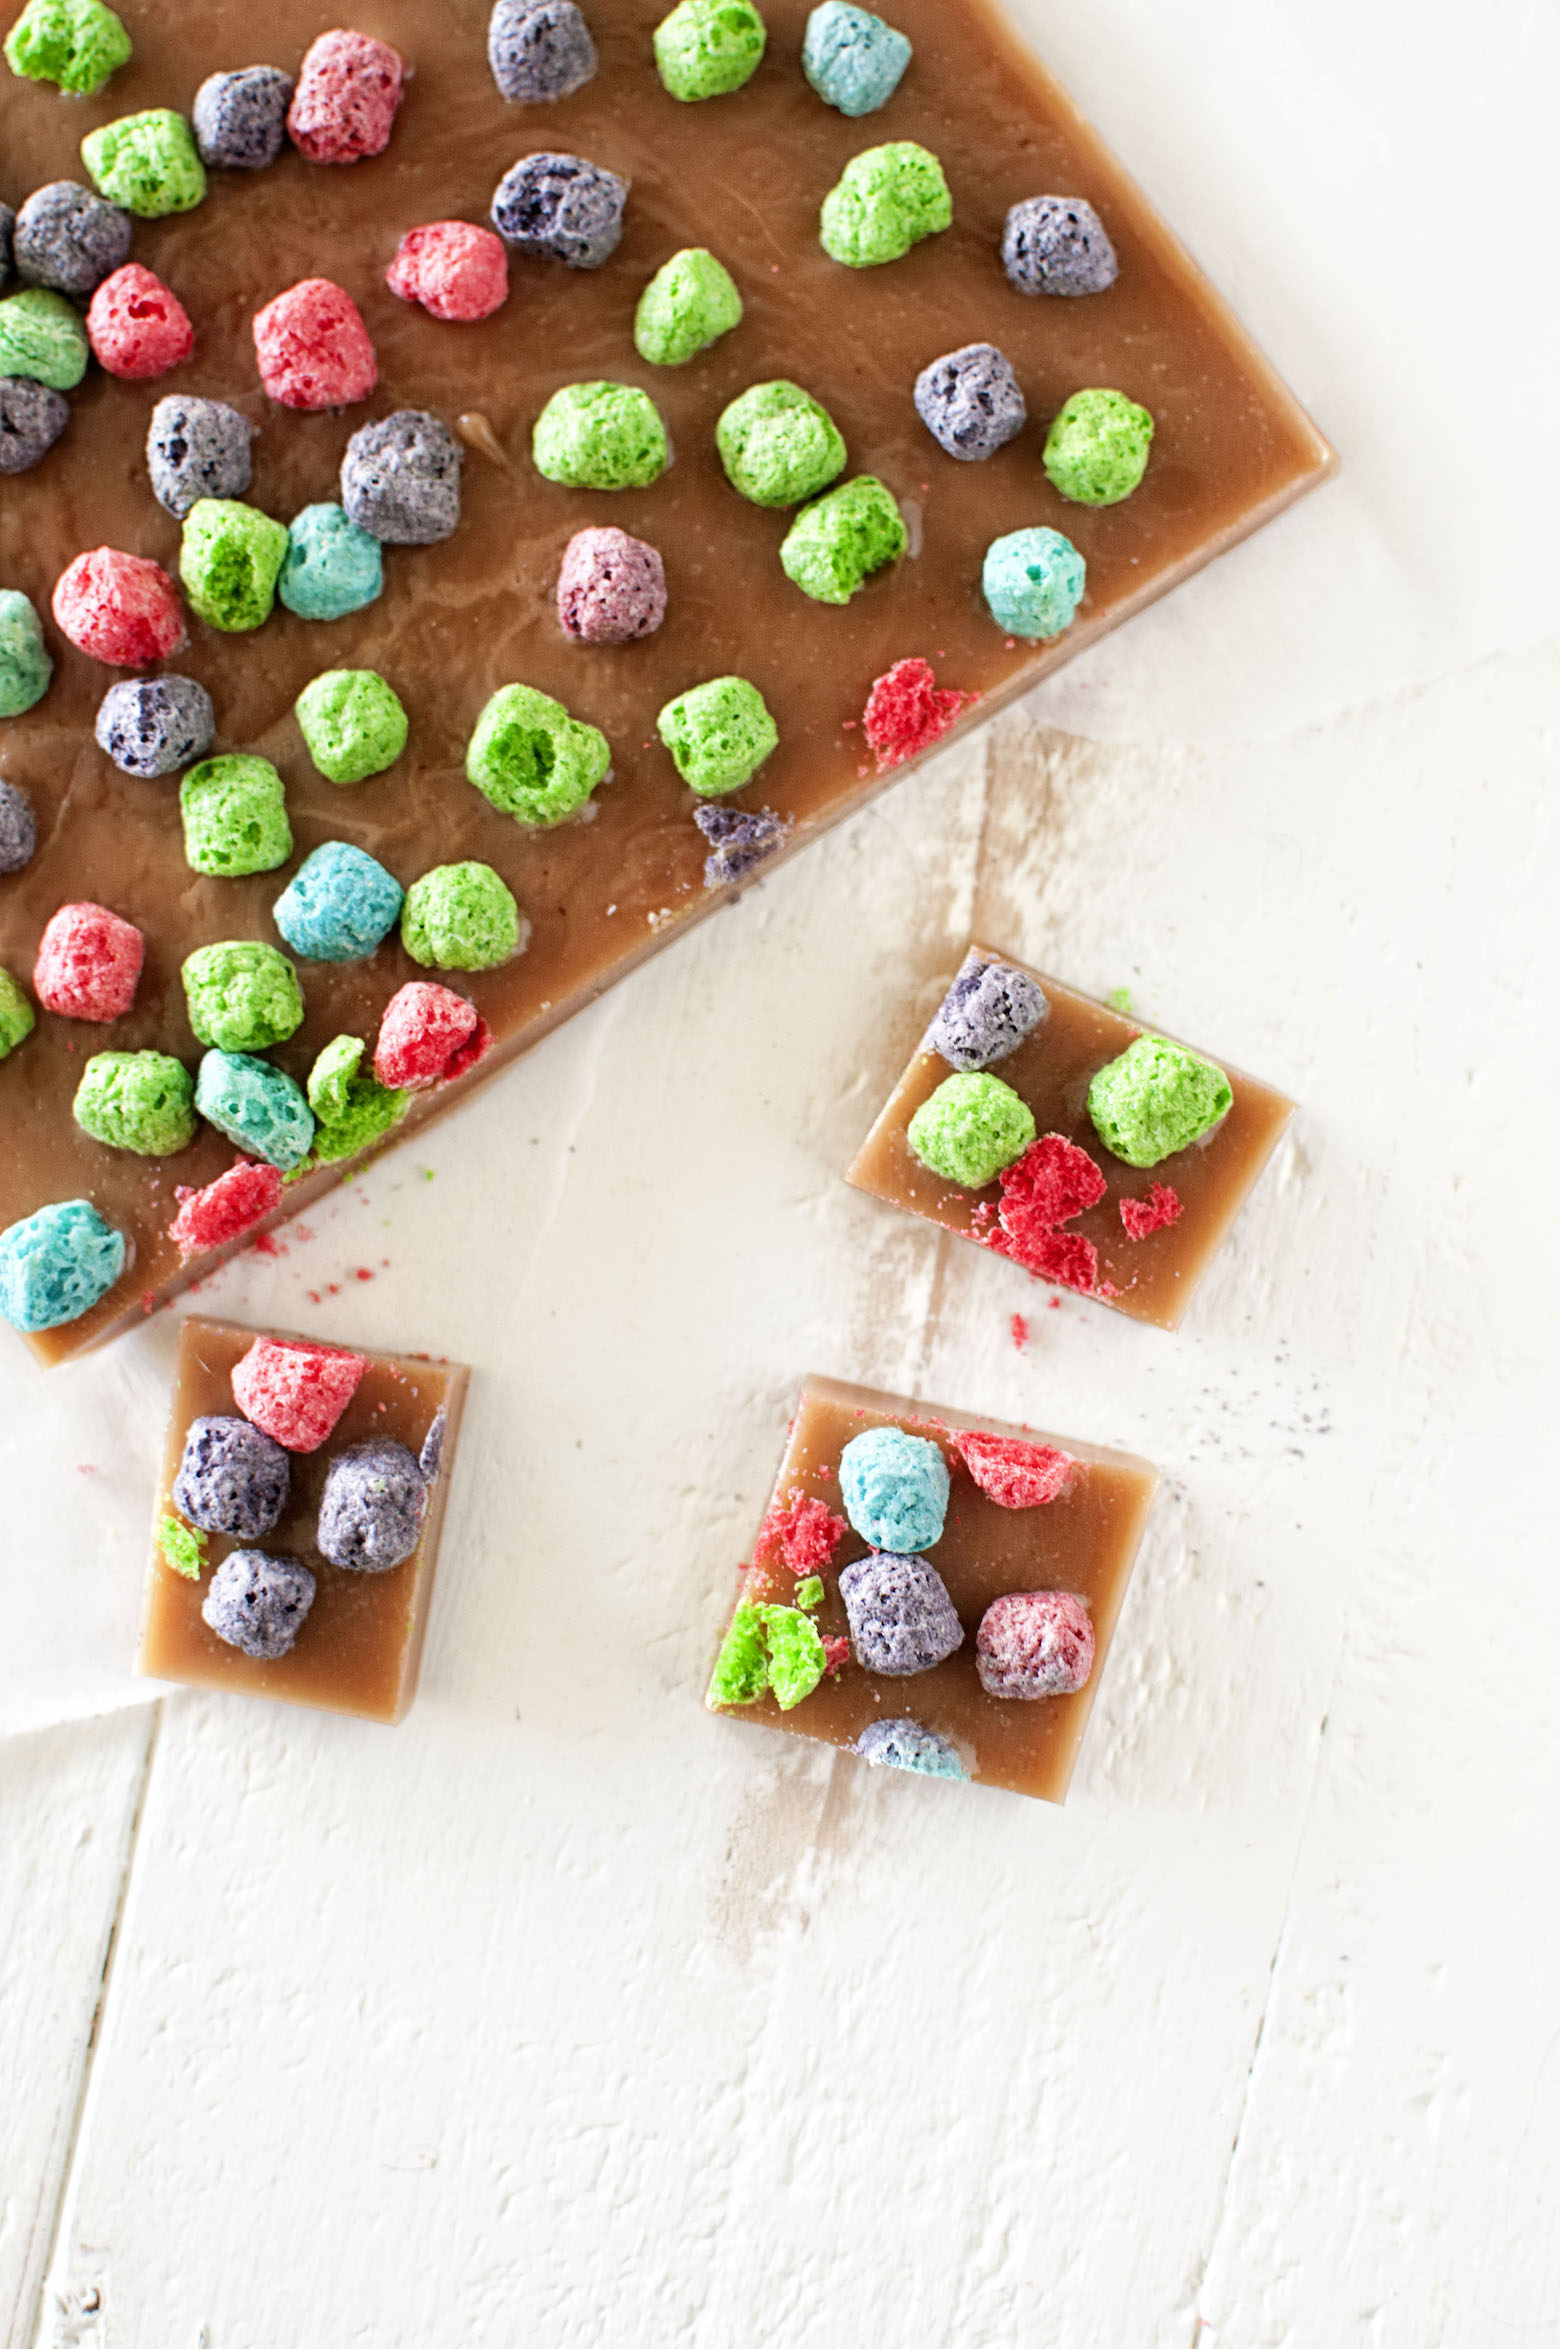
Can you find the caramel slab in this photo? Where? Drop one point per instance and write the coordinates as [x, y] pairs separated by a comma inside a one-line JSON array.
[[745, 175], [360, 1646], [1085, 1542], [1152, 1279]]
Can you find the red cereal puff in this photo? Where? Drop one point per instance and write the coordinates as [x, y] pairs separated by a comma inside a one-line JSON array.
[[295, 1394], [89, 964], [121, 609], [1015, 1475], [454, 270], [344, 107], [1051, 1183], [428, 1035], [313, 348], [1141, 1216], [227, 1208], [136, 327], [1066, 1258], [906, 712], [1035, 1643]]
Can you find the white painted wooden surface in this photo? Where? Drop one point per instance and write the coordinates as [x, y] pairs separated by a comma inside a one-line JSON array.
[[566, 2014]]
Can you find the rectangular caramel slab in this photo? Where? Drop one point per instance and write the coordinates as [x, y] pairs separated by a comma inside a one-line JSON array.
[[1151, 1279], [744, 175], [1085, 1542], [360, 1646]]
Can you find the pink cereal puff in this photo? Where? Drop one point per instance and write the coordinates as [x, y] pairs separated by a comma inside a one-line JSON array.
[[428, 1035], [137, 327], [456, 271], [121, 609], [1035, 1643], [313, 349], [226, 1208], [344, 107], [295, 1393], [89, 964]]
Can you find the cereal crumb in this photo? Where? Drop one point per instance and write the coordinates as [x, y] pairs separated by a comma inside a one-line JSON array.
[[804, 1531], [1141, 1216], [1020, 1329]]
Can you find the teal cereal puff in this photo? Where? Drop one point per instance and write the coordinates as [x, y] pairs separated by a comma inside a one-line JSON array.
[[719, 734], [691, 301], [887, 200], [708, 48], [352, 1109], [532, 760], [1156, 1098], [56, 1264], [778, 445], [235, 816], [229, 560], [970, 1129], [17, 1017], [1033, 582], [461, 918], [146, 163], [25, 665], [76, 44], [340, 905], [43, 339], [600, 436], [835, 544], [242, 995], [140, 1101], [332, 567], [1096, 452], [353, 723], [258, 1107]]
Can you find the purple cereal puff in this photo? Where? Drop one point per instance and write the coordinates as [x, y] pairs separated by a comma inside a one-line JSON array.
[[554, 207], [738, 840], [257, 1603], [240, 118], [901, 1617], [430, 1458], [372, 1509], [611, 588], [32, 417], [68, 239], [986, 1014], [18, 829], [232, 1479]]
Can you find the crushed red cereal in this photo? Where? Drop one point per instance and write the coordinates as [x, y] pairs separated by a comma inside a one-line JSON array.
[[313, 349], [89, 963], [1015, 1475], [907, 711], [120, 609], [428, 1034], [836, 1654], [806, 1532], [295, 1393], [348, 93], [137, 327], [226, 1208], [1052, 1182], [1141, 1216], [1020, 1331], [456, 271], [1064, 1257]]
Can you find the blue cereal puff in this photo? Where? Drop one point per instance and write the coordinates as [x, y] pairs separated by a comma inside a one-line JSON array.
[[852, 58], [905, 1745], [258, 1107], [895, 1488], [1034, 582], [331, 567], [339, 905], [56, 1264]]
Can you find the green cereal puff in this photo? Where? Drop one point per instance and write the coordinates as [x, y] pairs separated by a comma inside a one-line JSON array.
[[25, 666], [76, 43], [1096, 452], [147, 163], [834, 545], [689, 303], [532, 760], [43, 338], [351, 1110], [778, 445], [242, 996], [796, 1654], [140, 1101], [888, 199], [17, 1017], [230, 559], [353, 723], [707, 48], [741, 1672], [600, 436], [1156, 1099], [235, 816], [181, 1547], [719, 734], [460, 918], [970, 1129]]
